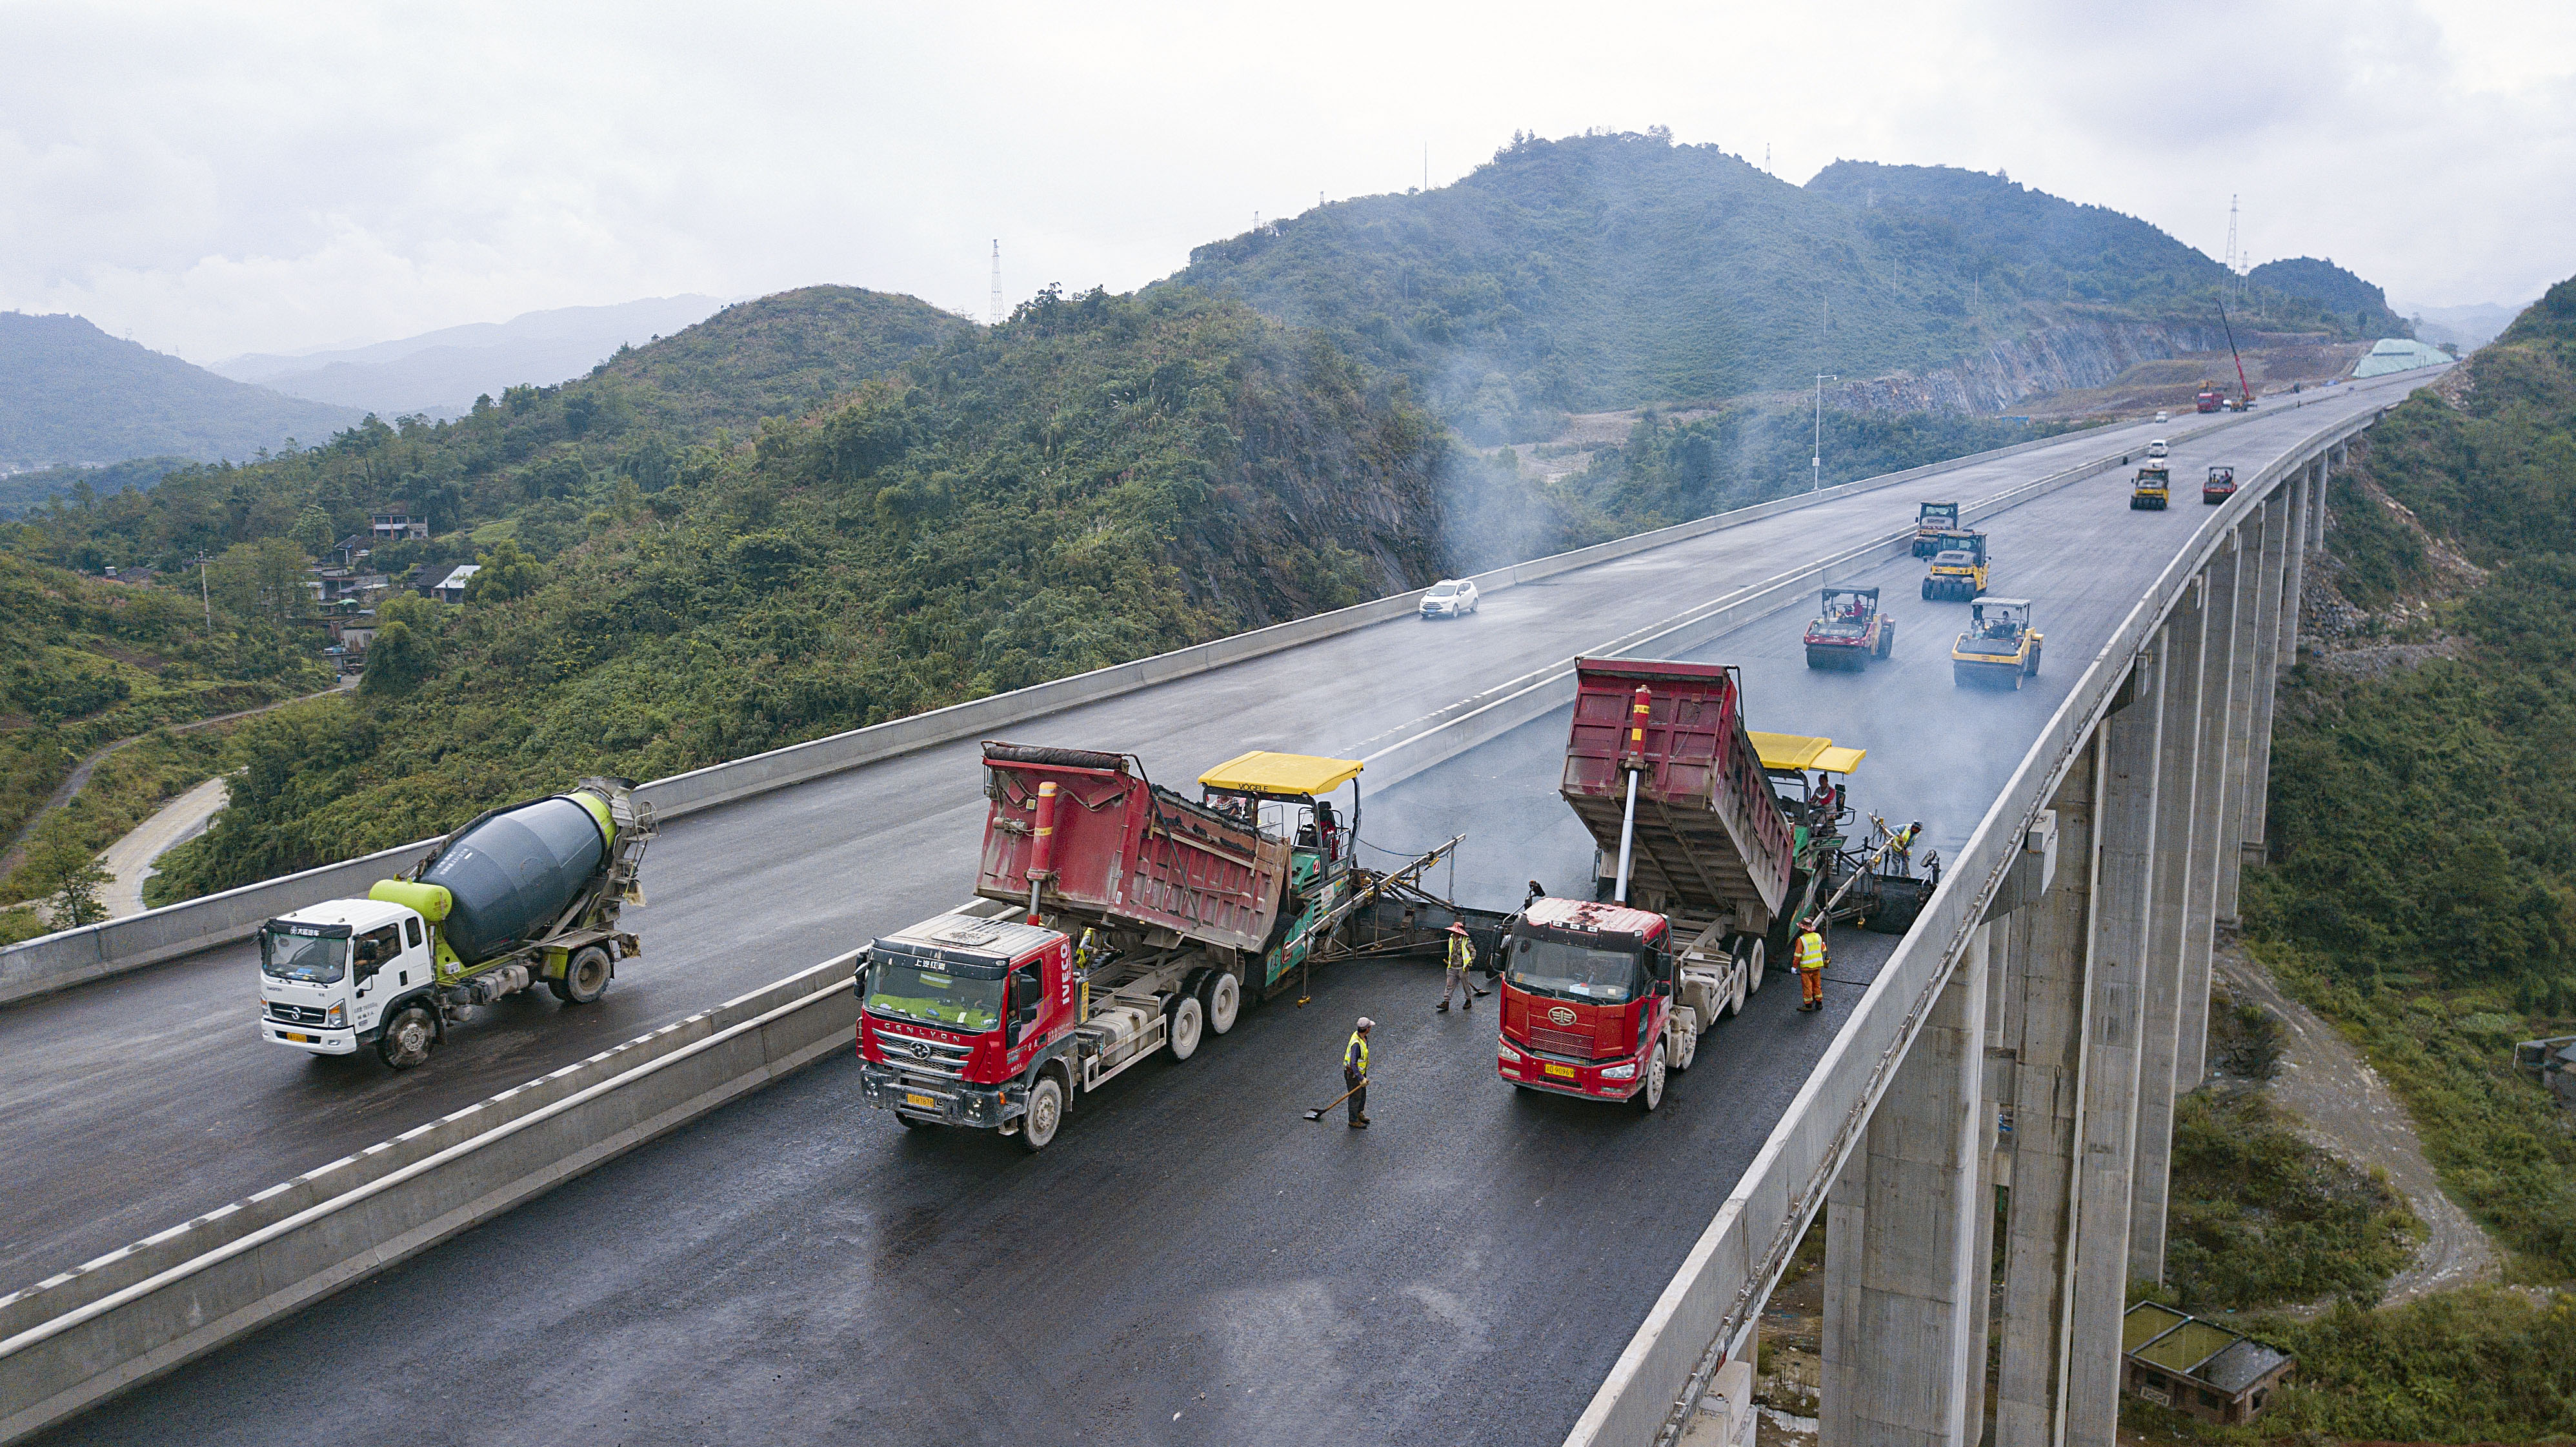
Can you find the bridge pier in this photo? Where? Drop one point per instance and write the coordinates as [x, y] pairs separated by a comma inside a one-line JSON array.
[[2244, 547], [2218, 679], [1904, 1284], [2167, 943], [2272, 575]]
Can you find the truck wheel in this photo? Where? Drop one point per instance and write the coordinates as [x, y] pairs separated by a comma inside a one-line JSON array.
[[1886, 639], [1749, 949], [1686, 1043], [1188, 1024], [1046, 1113], [409, 1037], [1222, 996], [1927, 590], [1652, 1094], [585, 976]]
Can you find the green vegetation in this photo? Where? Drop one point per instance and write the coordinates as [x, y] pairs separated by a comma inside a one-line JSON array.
[[85, 663], [1099, 479], [71, 393], [1614, 270], [2262, 1218], [20, 491], [2342, 299]]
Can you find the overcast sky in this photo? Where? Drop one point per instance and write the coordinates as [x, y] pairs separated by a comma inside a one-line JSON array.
[[215, 179]]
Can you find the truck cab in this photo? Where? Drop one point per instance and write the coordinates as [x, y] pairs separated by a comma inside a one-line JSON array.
[[969, 1020], [1931, 520], [330, 974], [1588, 1002]]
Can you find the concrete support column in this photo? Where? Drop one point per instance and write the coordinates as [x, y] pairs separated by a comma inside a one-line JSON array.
[[2178, 776], [2267, 672], [2246, 547], [2042, 1057], [2115, 982], [1995, 938], [2317, 477], [1902, 1278], [2294, 579], [2218, 684]]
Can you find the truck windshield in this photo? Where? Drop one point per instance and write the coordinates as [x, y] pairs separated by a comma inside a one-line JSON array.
[[911, 991], [1574, 972], [306, 959]]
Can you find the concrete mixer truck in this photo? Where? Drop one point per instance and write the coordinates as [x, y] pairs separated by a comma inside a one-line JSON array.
[[521, 895]]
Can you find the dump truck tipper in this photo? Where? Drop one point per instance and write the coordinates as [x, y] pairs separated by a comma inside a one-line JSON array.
[[520, 895], [1115, 919]]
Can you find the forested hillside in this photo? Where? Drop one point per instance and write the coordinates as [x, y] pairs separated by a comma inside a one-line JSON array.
[[71, 393], [1615, 270], [2341, 298], [2420, 890], [1098, 479]]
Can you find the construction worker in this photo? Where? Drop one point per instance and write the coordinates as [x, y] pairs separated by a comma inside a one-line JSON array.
[[1901, 844], [1808, 955], [1462, 957], [1829, 801], [1537, 892], [1355, 1073]]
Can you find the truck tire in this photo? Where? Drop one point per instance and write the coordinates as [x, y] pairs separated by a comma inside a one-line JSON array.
[[585, 976], [1188, 1023], [1651, 1094], [1046, 1112], [409, 1037], [1886, 639], [1749, 948], [1222, 996], [1685, 1042]]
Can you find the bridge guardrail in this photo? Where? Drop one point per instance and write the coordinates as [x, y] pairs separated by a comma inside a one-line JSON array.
[[1705, 1311], [75, 956]]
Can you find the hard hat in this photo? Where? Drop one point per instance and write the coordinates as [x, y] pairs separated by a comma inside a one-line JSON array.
[[1366, 1022], [1457, 927]]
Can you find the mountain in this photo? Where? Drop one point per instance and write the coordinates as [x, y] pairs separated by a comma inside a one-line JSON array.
[[70, 393], [444, 371], [2343, 298], [1609, 271], [20, 491], [531, 459], [2465, 327]]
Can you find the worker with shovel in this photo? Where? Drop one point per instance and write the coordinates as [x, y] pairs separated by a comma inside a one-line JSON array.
[[1462, 958], [1809, 957], [1355, 1073]]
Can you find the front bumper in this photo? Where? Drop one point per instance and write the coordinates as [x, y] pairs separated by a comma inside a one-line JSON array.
[[1439, 612], [1560, 1077], [312, 1039], [949, 1102]]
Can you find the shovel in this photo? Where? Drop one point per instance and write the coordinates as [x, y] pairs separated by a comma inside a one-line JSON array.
[[1319, 1112]]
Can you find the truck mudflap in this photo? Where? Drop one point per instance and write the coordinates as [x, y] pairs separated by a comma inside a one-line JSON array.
[[983, 1107]]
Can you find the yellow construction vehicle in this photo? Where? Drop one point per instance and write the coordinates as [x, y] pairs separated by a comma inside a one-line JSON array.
[[1999, 647], [1958, 568], [2154, 487]]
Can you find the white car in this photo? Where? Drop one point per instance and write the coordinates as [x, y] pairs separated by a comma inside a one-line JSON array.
[[2157, 448], [2160, 415], [1449, 598]]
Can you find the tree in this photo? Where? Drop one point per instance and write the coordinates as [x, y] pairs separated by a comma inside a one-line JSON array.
[[506, 573], [59, 869], [405, 649]]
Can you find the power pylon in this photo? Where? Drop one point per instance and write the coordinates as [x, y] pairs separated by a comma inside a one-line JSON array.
[[994, 315]]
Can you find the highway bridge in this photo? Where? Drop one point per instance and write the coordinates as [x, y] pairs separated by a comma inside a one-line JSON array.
[[661, 1248]]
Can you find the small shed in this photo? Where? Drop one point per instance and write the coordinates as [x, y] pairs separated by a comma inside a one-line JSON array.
[[451, 589], [2552, 1062], [2177, 1360]]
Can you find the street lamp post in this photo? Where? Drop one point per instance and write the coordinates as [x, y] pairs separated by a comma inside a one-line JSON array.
[[1816, 462]]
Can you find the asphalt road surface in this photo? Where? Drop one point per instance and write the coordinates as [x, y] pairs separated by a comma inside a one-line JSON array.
[[1191, 1261]]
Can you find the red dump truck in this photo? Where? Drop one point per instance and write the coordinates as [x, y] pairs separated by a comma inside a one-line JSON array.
[[1711, 842], [993, 1016], [1601, 997]]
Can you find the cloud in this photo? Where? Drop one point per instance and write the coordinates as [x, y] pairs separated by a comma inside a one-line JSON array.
[[248, 177]]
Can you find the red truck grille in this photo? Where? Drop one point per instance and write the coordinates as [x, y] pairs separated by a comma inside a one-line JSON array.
[[1573, 1044]]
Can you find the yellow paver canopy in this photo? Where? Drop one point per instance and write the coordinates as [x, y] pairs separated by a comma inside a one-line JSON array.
[[1798, 751], [1287, 775]]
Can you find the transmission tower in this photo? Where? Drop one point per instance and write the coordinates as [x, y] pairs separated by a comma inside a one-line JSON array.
[[994, 315]]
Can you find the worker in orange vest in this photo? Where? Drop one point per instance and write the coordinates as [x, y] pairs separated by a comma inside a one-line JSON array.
[[1808, 956]]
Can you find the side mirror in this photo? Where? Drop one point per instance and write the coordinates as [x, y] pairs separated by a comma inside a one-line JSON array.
[[1011, 1032]]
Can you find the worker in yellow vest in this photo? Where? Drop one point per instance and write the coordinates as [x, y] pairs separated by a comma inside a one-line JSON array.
[[1462, 958], [1808, 956], [1355, 1072]]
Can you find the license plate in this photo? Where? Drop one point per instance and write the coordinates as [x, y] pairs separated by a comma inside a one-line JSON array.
[[299, 1039], [1565, 1070], [915, 1097]]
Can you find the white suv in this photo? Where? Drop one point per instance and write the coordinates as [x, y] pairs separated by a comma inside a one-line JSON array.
[[2157, 448], [1449, 598]]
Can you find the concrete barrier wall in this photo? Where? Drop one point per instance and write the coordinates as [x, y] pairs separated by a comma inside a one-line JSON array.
[[79, 1337], [71, 957], [1706, 1310]]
